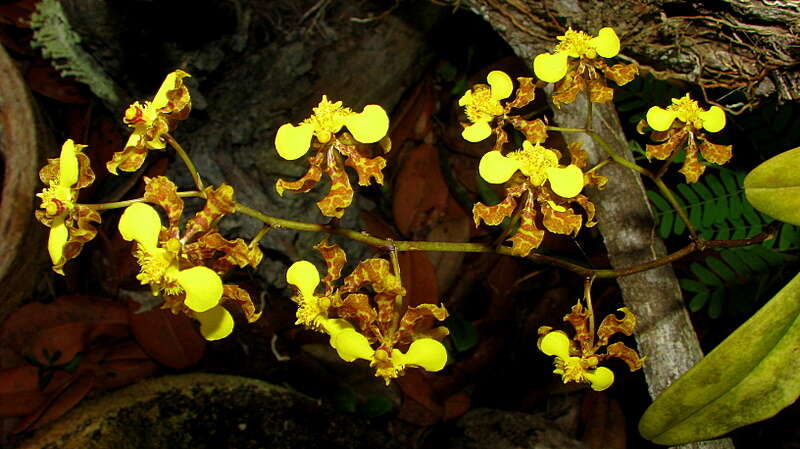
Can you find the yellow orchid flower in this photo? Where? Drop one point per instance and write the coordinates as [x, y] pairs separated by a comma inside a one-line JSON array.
[[689, 112], [312, 310], [160, 268], [58, 200], [572, 368], [552, 67], [69, 222], [368, 126], [151, 120], [538, 163], [680, 125], [482, 105]]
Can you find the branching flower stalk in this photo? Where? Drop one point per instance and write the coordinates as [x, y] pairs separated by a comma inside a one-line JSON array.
[[365, 313]]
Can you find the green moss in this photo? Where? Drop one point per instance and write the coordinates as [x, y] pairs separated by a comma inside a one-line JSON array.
[[61, 45]]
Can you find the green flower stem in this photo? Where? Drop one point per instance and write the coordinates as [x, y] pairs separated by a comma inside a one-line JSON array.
[[126, 203], [187, 161], [665, 191], [259, 235], [389, 245]]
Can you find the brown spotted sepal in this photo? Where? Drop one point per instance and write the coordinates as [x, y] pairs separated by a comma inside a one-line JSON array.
[[71, 224], [151, 120], [591, 74]]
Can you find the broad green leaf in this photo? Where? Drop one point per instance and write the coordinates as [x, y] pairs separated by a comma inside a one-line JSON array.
[[774, 187], [749, 377], [462, 332]]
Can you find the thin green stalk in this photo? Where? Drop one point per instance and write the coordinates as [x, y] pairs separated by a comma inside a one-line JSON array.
[[126, 203], [665, 191], [198, 182]]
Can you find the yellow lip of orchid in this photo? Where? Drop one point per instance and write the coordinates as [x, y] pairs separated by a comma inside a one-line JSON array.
[[203, 287], [606, 43], [426, 353], [303, 275], [566, 182], [495, 168], [215, 323], [57, 239], [600, 378], [660, 119], [292, 142], [550, 68], [500, 84], [351, 345], [555, 343], [68, 165], [369, 126], [140, 222], [713, 119]]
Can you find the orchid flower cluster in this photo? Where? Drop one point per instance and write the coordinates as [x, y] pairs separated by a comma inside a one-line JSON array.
[[365, 313], [366, 316]]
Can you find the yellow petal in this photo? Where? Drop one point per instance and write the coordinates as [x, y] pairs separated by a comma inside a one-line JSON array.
[[501, 84], [713, 119], [660, 119], [161, 100], [333, 326], [292, 142], [555, 343], [58, 238], [369, 126], [465, 99], [303, 275], [351, 345], [476, 132], [565, 182], [215, 323], [426, 353], [600, 379], [606, 43], [203, 288], [495, 168], [550, 68], [68, 164], [140, 222]]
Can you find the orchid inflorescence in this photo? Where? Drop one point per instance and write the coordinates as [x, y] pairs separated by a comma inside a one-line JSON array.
[[365, 314]]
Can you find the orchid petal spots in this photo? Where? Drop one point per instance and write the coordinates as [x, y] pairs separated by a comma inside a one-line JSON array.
[[303, 275], [161, 100], [140, 222], [369, 126], [555, 343], [426, 353], [68, 165], [501, 84], [601, 378], [292, 142], [351, 345], [606, 43], [215, 323], [660, 119], [495, 168], [565, 182], [713, 119], [477, 132], [58, 238], [550, 68], [203, 288]]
